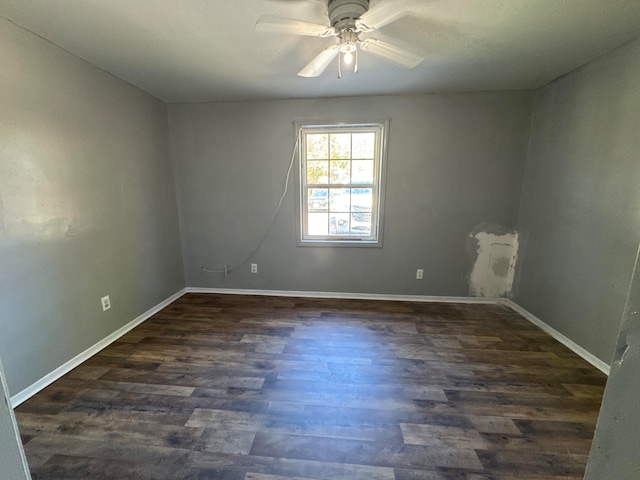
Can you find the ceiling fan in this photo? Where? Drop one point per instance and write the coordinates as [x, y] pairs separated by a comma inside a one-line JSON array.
[[348, 19]]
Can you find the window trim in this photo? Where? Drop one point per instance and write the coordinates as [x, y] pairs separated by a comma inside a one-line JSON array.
[[382, 126]]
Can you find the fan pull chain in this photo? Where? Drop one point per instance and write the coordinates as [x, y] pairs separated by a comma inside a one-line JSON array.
[[339, 66]]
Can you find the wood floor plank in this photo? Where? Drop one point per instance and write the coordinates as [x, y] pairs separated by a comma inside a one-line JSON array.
[[234, 387]]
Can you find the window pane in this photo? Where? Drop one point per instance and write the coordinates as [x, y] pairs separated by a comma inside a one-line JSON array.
[[340, 171], [317, 146], [318, 224], [361, 171], [318, 172], [339, 224], [339, 200], [340, 145], [340, 196], [363, 145], [318, 199], [362, 199], [360, 224]]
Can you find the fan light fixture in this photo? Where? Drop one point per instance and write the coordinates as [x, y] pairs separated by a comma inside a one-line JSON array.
[[343, 15], [348, 47]]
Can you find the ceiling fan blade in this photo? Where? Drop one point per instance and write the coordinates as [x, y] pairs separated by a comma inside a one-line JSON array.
[[320, 63], [391, 52], [274, 24], [382, 14]]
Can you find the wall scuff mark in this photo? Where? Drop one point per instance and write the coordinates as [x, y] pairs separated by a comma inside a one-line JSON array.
[[495, 252]]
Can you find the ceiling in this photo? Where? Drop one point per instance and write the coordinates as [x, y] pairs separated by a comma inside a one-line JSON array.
[[207, 50]]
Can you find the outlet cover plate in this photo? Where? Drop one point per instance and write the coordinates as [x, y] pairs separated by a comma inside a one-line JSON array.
[[106, 303]]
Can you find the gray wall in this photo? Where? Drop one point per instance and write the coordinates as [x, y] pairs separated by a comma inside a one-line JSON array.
[[580, 206], [87, 206], [614, 453], [454, 162]]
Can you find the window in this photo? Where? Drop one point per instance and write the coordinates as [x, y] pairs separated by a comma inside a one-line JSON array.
[[340, 184]]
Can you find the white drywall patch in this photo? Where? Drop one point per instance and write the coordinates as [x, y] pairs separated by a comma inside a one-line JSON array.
[[495, 262]]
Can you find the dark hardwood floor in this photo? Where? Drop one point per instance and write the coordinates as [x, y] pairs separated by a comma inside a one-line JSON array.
[[263, 388]]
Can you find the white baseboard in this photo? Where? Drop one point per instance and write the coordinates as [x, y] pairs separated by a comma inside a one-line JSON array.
[[48, 379], [571, 345], [347, 296]]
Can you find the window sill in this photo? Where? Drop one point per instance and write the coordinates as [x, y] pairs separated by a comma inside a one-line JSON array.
[[340, 243]]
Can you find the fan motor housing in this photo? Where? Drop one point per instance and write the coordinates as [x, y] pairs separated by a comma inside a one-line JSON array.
[[343, 13]]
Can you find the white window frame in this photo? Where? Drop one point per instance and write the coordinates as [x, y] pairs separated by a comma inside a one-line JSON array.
[[381, 129]]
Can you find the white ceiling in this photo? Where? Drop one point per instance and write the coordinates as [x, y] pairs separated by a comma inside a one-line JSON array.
[[207, 50]]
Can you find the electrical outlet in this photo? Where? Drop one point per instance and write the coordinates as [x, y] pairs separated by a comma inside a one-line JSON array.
[[254, 268], [106, 303], [419, 274]]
